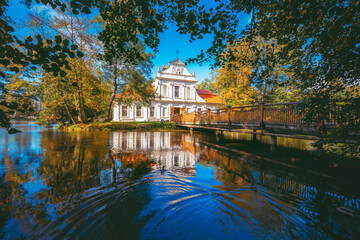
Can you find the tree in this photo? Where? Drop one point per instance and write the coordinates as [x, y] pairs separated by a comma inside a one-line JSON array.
[[233, 80], [320, 43], [234, 86], [126, 24], [60, 96], [21, 94], [131, 81], [209, 83], [81, 88], [27, 53]]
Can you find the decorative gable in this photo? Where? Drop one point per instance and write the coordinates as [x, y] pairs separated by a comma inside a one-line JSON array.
[[177, 62], [176, 70]]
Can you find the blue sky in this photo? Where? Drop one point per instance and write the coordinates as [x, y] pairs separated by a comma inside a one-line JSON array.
[[170, 42]]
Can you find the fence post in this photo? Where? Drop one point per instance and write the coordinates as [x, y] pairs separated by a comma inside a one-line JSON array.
[[199, 115], [229, 113], [208, 116], [261, 114]]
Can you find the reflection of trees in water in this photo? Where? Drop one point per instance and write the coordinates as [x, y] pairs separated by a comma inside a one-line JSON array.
[[69, 167], [14, 202], [227, 169], [140, 163], [71, 164], [324, 206], [293, 143]]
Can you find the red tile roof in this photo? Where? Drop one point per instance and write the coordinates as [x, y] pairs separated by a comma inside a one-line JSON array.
[[208, 96]]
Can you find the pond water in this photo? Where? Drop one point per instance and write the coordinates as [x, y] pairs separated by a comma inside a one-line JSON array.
[[167, 185]]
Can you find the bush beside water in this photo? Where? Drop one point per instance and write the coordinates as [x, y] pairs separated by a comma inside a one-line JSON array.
[[115, 126]]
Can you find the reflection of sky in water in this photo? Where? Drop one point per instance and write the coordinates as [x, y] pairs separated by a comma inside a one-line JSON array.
[[23, 148], [205, 175], [71, 175]]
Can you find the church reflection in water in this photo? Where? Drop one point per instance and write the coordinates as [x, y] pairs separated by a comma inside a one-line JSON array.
[[168, 150]]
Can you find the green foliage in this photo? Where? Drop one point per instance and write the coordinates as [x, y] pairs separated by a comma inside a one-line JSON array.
[[17, 99], [73, 97], [209, 83], [280, 94], [129, 22], [233, 80], [130, 82]]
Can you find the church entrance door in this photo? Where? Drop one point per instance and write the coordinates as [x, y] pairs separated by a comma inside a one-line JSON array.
[[176, 110]]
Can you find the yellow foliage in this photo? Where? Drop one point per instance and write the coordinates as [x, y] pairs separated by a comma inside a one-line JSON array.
[[233, 82]]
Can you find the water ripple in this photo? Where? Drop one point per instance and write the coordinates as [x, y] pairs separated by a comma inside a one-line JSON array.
[[166, 206]]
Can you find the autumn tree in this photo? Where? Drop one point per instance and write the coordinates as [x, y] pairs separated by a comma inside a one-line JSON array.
[[233, 81], [21, 93], [81, 88], [320, 44], [29, 53]]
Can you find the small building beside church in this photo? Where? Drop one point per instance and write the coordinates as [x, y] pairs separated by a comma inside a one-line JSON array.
[[175, 89]]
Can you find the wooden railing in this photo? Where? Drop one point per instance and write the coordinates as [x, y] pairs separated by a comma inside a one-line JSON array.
[[261, 114]]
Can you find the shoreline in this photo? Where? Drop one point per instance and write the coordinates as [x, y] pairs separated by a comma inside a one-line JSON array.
[[114, 126]]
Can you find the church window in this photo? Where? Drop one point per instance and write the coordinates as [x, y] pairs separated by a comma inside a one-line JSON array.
[[138, 111], [188, 93], [164, 91], [177, 91], [124, 111]]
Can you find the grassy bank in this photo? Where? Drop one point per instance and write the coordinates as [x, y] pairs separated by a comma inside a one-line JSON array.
[[115, 126]]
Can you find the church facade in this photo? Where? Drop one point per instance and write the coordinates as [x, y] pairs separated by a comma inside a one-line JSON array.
[[176, 93]]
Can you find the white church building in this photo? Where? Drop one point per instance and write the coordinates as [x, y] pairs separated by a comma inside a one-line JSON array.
[[175, 89]]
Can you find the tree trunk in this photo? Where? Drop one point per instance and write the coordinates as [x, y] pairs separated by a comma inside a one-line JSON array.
[[83, 111], [79, 107], [264, 90], [113, 94], [68, 112]]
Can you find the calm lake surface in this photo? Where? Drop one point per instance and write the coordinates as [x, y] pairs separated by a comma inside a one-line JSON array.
[[168, 185]]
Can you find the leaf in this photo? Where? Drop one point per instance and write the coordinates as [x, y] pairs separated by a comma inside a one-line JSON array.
[[58, 39], [86, 10], [79, 54], [66, 42], [62, 73], [74, 47], [15, 69]]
